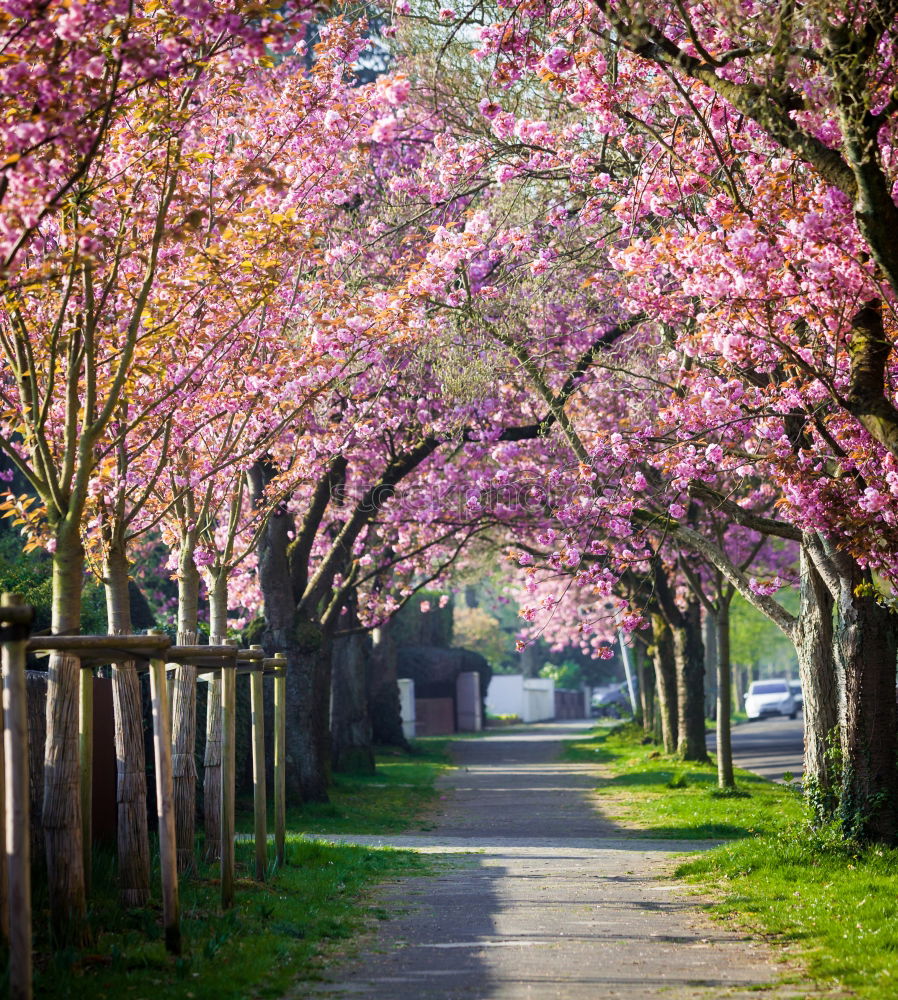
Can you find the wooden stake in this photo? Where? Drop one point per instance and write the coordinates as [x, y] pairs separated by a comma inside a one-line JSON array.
[[280, 761], [165, 806], [260, 804], [228, 775], [18, 843], [4, 887], [86, 763]]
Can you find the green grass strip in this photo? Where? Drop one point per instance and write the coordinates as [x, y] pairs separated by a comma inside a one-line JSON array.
[[279, 931], [834, 904], [663, 797]]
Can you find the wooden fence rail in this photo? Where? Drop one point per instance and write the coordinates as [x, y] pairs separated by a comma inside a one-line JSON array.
[[152, 653]]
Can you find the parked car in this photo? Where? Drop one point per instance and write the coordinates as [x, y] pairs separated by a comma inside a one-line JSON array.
[[610, 702], [771, 697], [797, 694]]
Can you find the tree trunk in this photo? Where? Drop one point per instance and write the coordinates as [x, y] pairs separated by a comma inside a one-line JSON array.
[[131, 778], [184, 712], [62, 791], [725, 776], [350, 725], [646, 688], [218, 635], [665, 681], [308, 712], [866, 645], [689, 655], [384, 706], [813, 640]]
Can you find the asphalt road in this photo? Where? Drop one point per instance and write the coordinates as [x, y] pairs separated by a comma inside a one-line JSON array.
[[769, 747]]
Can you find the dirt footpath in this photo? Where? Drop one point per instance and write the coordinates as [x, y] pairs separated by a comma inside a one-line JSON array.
[[544, 900]]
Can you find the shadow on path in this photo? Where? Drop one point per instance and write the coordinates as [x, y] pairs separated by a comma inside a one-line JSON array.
[[543, 899]]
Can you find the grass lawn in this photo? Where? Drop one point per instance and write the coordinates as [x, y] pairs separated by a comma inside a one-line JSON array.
[[667, 798], [834, 904], [277, 932], [397, 797]]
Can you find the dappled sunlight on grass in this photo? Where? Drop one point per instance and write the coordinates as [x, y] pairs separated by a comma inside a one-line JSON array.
[[397, 797], [662, 796], [836, 904], [278, 931]]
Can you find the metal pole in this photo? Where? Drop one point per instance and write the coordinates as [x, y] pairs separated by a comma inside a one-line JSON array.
[[628, 670]]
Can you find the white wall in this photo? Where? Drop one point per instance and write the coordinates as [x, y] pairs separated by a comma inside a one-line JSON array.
[[532, 699], [505, 695], [539, 699], [407, 706]]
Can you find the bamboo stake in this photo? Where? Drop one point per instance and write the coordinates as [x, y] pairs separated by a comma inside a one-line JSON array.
[[165, 806], [17, 831], [260, 805], [228, 774], [280, 760], [86, 759]]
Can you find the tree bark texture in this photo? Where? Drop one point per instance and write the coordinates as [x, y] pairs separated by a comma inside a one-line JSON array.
[[689, 655], [351, 737], [36, 684], [308, 713], [183, 758], [184, 708], [725, 776], [212, 755], [813, 638], [665, 681], [384, 707], [866, 645], [131, 778], [62, 791], [646, 677], [307, 650]]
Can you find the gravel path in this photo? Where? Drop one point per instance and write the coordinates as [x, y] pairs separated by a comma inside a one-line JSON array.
[[544, 900]]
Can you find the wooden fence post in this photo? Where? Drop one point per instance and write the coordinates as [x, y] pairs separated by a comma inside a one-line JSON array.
[[16, 618], [280, 762], [228, 776], [86, 763], [4, 885], [16, 792], [165, 806], [260, 804]]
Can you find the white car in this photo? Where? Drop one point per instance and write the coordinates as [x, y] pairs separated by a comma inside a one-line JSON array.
[[770, 698]]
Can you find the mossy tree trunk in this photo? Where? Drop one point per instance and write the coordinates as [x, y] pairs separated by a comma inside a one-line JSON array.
[[725, 775], [813, 638], [662, 653], [866, 645], [689, 656]]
